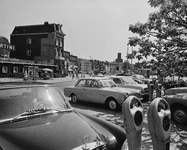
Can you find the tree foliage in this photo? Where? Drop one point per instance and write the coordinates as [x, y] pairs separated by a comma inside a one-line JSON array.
[[164, 35]]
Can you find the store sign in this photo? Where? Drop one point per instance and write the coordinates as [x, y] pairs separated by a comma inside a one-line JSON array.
[[7, 46]]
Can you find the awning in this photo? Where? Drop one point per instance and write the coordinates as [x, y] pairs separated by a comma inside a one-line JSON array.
[[47, 69]]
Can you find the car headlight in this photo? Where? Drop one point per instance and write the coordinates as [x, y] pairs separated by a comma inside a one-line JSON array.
[[126, 95]]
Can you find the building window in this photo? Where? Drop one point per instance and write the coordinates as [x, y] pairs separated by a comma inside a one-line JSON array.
[[28, 52], [29, 41], [60, 42], [57, 42], [4, 69], [15, 69]]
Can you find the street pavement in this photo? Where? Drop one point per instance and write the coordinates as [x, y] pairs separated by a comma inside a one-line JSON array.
[[54, 80]]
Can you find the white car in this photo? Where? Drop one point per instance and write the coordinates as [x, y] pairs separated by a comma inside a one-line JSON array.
[[99, 90], [128, 82]]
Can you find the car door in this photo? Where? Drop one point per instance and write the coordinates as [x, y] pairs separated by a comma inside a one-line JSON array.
[[79, 89], [92, 91]]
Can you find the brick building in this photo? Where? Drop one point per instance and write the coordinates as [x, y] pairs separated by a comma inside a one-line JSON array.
[[43, 42]]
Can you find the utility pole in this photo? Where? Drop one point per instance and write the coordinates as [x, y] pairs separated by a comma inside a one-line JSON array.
[[127, 55], [131, 57]]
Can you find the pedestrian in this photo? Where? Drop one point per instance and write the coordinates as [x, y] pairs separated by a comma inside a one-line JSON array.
[[25, 76], [73, 75], [77, 75]]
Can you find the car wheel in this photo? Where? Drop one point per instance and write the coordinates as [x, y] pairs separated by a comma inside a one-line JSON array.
[[179, 114], [74, 98], [113, 104]]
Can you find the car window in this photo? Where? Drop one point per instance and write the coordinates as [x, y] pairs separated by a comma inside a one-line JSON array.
[[128, 81], [88, 83], [15, 101], [117, 80], [81, 83], [108, 83], [96, 84]]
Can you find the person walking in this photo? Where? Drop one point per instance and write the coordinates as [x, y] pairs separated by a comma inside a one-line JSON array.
[[77, 75], [73, 75]]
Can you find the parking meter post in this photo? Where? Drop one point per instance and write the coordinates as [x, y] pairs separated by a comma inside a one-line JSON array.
[[159, 116], [150, 90], [133, 119], [158, 89]]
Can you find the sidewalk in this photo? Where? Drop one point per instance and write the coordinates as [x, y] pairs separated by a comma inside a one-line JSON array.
[[54, 80]]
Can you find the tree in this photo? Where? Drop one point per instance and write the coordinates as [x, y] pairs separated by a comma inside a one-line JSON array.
[[164, 35]]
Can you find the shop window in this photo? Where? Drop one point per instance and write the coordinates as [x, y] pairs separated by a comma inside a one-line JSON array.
[[15, 69], [4, 69], [29, 41], [28, 52]]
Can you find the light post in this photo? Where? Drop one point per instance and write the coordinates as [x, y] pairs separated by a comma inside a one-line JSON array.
[[92, 67]]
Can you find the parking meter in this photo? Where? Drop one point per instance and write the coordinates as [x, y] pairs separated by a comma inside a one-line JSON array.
[[159, 116], [150, 90], [133, 118]]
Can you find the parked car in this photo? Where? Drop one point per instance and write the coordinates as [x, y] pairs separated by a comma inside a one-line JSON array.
[[128, 82], [177, 98], [173, 91], [99, 90], [37, 116], [178, 106]]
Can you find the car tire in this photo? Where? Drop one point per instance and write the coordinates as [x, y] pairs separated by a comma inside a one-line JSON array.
[[113, 104], [74, 98], [179, 114]]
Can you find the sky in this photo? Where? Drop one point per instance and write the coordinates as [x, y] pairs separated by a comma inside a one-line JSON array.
[[94, 29]]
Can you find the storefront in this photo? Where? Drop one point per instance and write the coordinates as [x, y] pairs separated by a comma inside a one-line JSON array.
[[15, 67]]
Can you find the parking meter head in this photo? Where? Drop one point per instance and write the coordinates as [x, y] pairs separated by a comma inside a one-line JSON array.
[[133, 113], [159, 116], [133, 119]]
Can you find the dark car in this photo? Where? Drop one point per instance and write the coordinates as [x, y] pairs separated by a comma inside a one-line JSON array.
[[178, 105], [36, 116]]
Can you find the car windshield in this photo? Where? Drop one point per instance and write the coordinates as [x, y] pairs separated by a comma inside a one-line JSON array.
[[107, 83], [128, 80], [15, 101]]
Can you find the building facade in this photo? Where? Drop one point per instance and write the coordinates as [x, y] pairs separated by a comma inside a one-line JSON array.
[[44, 42], [13, 67], [86, 65]]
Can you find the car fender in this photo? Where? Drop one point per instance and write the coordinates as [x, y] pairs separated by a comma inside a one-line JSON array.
[[118, 132], [117, 95], [68, 91]]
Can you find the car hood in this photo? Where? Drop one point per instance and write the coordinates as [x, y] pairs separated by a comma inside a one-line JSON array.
[[136, 86], [60, 131]]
